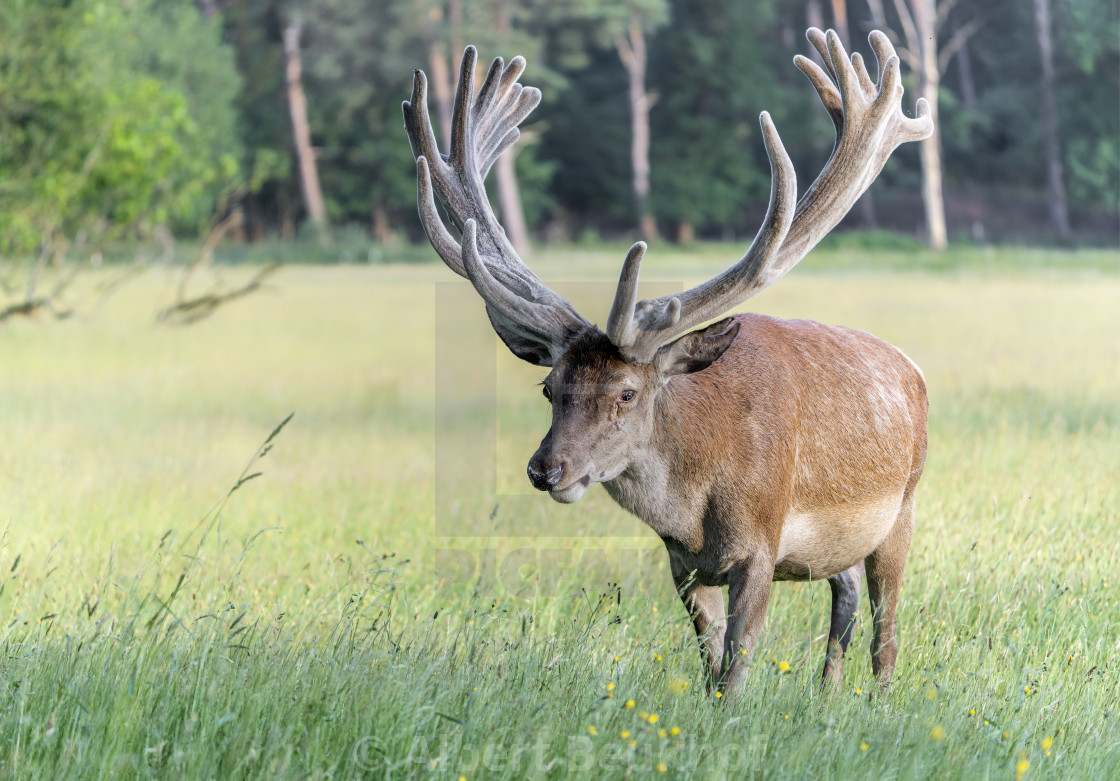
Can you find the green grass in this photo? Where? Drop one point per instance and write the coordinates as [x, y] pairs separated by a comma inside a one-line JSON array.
[[351, 612]]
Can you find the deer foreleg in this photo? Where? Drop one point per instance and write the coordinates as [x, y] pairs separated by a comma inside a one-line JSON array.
[[748, 598], [705, 605]]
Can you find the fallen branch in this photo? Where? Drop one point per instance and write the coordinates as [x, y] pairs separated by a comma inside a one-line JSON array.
[[32, 304], [214, 236], [109, 288], [185, 312]]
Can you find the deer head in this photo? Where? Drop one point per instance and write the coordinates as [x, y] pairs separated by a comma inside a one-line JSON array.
[[606, 386]]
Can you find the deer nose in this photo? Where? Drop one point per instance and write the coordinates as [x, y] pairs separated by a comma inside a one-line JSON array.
[[544, 478]]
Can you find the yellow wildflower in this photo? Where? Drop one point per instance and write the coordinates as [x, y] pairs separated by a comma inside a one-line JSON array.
[[864, 746], [1022, 768], [783, 667], [718, 695], [610, 686], [625, 734], [937, 733], [662, 733], [661, 767], [675, 731], [593, 731], [629, 704], [653, 718]]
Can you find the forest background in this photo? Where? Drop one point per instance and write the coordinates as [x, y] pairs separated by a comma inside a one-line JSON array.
[[272, 123]]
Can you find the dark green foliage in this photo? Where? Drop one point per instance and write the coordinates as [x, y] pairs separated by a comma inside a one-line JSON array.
[[1089, 100], [356, 75], [999, 141], [707, 156], [118, 117], [588, 137]]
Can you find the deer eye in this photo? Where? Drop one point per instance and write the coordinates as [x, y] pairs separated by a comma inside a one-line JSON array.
[[547, 393], [626, 396]]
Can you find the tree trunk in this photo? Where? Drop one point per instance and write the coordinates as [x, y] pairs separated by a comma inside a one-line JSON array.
[[505, 173], [866, 203], [455, 22], [840, 20], [814, 17], [382, 227], [632, 51], [442, 88], [685, 232], [509, 201], [1056, 191], [301, 130], [968, 82], [924, 16]]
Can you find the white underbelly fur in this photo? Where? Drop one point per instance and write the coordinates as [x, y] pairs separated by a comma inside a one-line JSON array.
[[827, 541]]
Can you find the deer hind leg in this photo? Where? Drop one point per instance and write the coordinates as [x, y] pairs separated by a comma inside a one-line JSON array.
[[884, 580], [705, 605], [845, 601]]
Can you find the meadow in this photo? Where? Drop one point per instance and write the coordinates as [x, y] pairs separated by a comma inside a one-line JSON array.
[[189, 588]]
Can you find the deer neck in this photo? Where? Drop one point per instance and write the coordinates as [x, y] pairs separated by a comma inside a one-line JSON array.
[[662, 483]]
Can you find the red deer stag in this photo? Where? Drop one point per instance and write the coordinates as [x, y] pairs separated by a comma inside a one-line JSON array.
[[758, 449]]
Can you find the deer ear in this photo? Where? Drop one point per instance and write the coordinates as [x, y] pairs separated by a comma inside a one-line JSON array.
[[524, 348], [698, 350]]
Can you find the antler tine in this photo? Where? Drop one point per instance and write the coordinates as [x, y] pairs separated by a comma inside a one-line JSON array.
[[541, 324], [417, 122], [441, 239], [655, 321], [422, 139], [620, 321], [869, 127], [486, 95], [461, 148], [484, 126]]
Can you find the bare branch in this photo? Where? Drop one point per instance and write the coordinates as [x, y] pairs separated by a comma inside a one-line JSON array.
[[213, 237], [879, 21], [909, 28], [32, 304], [958, 39], [944, 8], [185, 312]]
